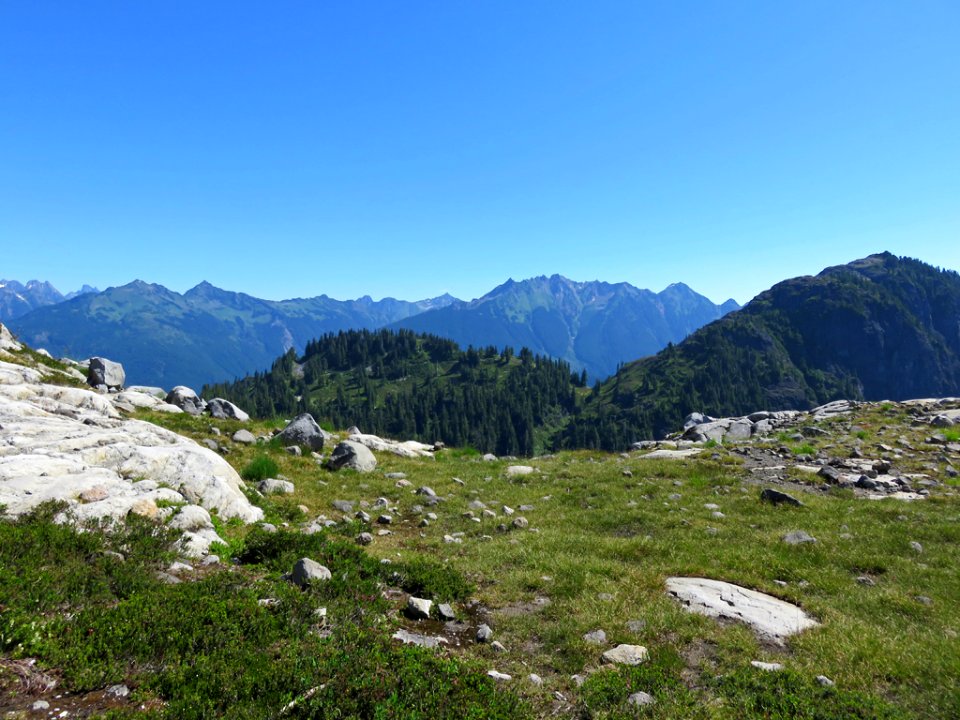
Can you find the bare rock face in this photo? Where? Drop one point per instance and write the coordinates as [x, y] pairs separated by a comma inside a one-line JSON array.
[[105, 373], [69, 444], [768, 616], [7, 342]]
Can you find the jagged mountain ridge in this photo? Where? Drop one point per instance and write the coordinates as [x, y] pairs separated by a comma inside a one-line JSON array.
[[211, 335], [879, 328], [17, 299], [591, 325], [203, 335]]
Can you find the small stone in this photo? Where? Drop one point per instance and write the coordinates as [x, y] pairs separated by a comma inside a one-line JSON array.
[[625, 655], [798, 537], [596, 637], [364, 538], [498, 646], [640, 699], [445, 611], [307, 571], [418, 608], [385, 519], [864, 580], [520, 522], [535, 679], [775, 497], [767, 667], [245, 437], [636, 626], [40, 705], [484, 633], [605, 597], [499, 676], [916, 547], [824, 681]]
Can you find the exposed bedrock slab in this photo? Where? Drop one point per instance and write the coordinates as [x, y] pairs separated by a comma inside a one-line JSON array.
[[70, 444], [769, 617]]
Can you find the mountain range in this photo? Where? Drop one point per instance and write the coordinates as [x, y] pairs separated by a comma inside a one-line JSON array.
[[879, 328], [594, 326], [209, 335], [204, 335]]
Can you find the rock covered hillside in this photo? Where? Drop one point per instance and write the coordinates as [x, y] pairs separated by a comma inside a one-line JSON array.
[[73, 444]]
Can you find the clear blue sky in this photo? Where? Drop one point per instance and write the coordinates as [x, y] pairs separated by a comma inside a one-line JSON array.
[[410, 148]]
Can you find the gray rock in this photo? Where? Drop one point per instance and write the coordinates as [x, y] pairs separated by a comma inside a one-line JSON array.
[[445, 612], [596, 637], [625, 655], [105, 372], [916, 547], [352, 455], [489, 457], [768, 616], [186, 399], [118, 691], [641, 699], [824, 681], [418, 608], [535, 679], [364, 538], [775, 497], [344, 506], [273, 486], [499, 676], [767, 667], [307, 572], [293, 450], [226, 410], [244, 437], [798, 537], [304, 431], [517, 470], [636, 626], [484, 633], [426, 641], [520, 522]]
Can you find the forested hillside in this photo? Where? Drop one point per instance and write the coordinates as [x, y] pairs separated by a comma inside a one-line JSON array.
[[878, 328], [401, 384]]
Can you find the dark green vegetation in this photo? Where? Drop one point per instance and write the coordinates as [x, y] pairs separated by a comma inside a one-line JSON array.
[[208, 648], [165, 338], [591, 325], [881, 327], [399, 384]]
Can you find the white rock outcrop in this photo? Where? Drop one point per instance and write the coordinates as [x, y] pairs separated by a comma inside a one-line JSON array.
[[71, 444], [768, 616], [408, 448]]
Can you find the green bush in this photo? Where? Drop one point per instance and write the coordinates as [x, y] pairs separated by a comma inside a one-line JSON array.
[[425, 577], [260, 468]]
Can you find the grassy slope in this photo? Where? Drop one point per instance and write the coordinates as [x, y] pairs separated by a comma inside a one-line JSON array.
[[593, 531], [599, 531]]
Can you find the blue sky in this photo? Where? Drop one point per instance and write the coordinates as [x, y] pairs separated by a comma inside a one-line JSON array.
[[410, 148]]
